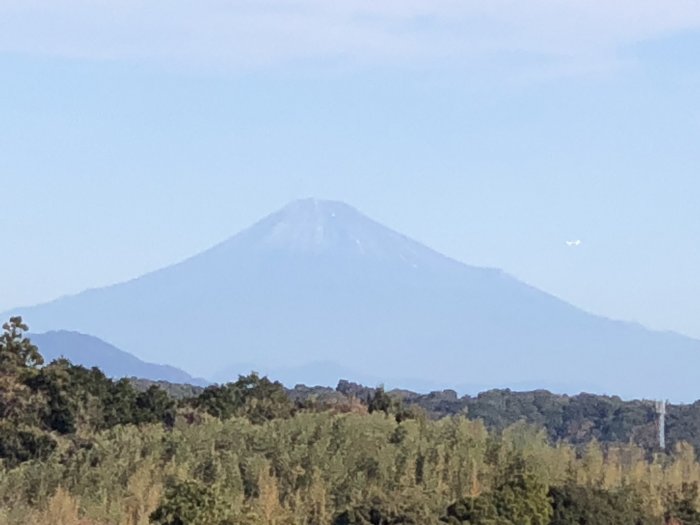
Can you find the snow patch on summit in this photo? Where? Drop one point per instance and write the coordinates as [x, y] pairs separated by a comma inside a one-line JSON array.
[[316, 227]]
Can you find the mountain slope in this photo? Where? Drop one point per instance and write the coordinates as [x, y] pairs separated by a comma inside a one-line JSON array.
[[319, 282], [90, 351]]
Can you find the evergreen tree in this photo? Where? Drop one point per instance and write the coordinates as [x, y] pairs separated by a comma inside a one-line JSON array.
[[522, 498], [379, 401], [256, 398], [576, 505], [17, 352], [191, 503], [154, 406], [472, 511]]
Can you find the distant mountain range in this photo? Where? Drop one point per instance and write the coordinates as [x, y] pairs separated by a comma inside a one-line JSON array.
[[89, 351], [318, 282]]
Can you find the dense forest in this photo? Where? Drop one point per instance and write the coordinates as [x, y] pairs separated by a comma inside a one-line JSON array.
[[77, 448]]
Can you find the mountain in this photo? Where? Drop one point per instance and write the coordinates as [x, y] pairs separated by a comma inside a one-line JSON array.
[[90, 351], [318, 282]]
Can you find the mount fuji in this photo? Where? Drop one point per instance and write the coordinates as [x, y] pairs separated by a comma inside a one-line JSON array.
[[319, 283]]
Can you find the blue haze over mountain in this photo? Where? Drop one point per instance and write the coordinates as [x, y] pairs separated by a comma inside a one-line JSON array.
[[318, 282], [89, 351]]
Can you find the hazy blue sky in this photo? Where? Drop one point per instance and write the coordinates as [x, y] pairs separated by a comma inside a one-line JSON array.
[[135, 134]]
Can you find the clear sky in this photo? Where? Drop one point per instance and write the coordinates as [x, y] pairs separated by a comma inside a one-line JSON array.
[[134, 134]]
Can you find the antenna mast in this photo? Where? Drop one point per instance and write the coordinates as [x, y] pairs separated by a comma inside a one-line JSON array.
[[661, 411]]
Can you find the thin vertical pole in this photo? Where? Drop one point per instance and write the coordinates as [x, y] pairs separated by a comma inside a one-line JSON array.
[[661, 411]]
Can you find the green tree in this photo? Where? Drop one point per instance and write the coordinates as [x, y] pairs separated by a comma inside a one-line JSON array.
[[56, 385], [522, 498], [380, 401], [18, 361], [683, 506], [21, 407], [256, 398], [576, 505], [19, 444], [191, 503], [16, 351], [154, 406], [472, 511], [381, 511]]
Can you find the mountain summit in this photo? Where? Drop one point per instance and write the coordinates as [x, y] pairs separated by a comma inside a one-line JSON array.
[[316, 226], [318, 282], [334, 229]]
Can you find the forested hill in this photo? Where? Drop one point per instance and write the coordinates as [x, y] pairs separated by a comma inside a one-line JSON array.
[[79, 448], [577, 419]]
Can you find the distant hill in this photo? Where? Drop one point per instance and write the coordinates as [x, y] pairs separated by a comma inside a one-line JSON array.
[[574, 419], [89, 351], [318, 282]]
